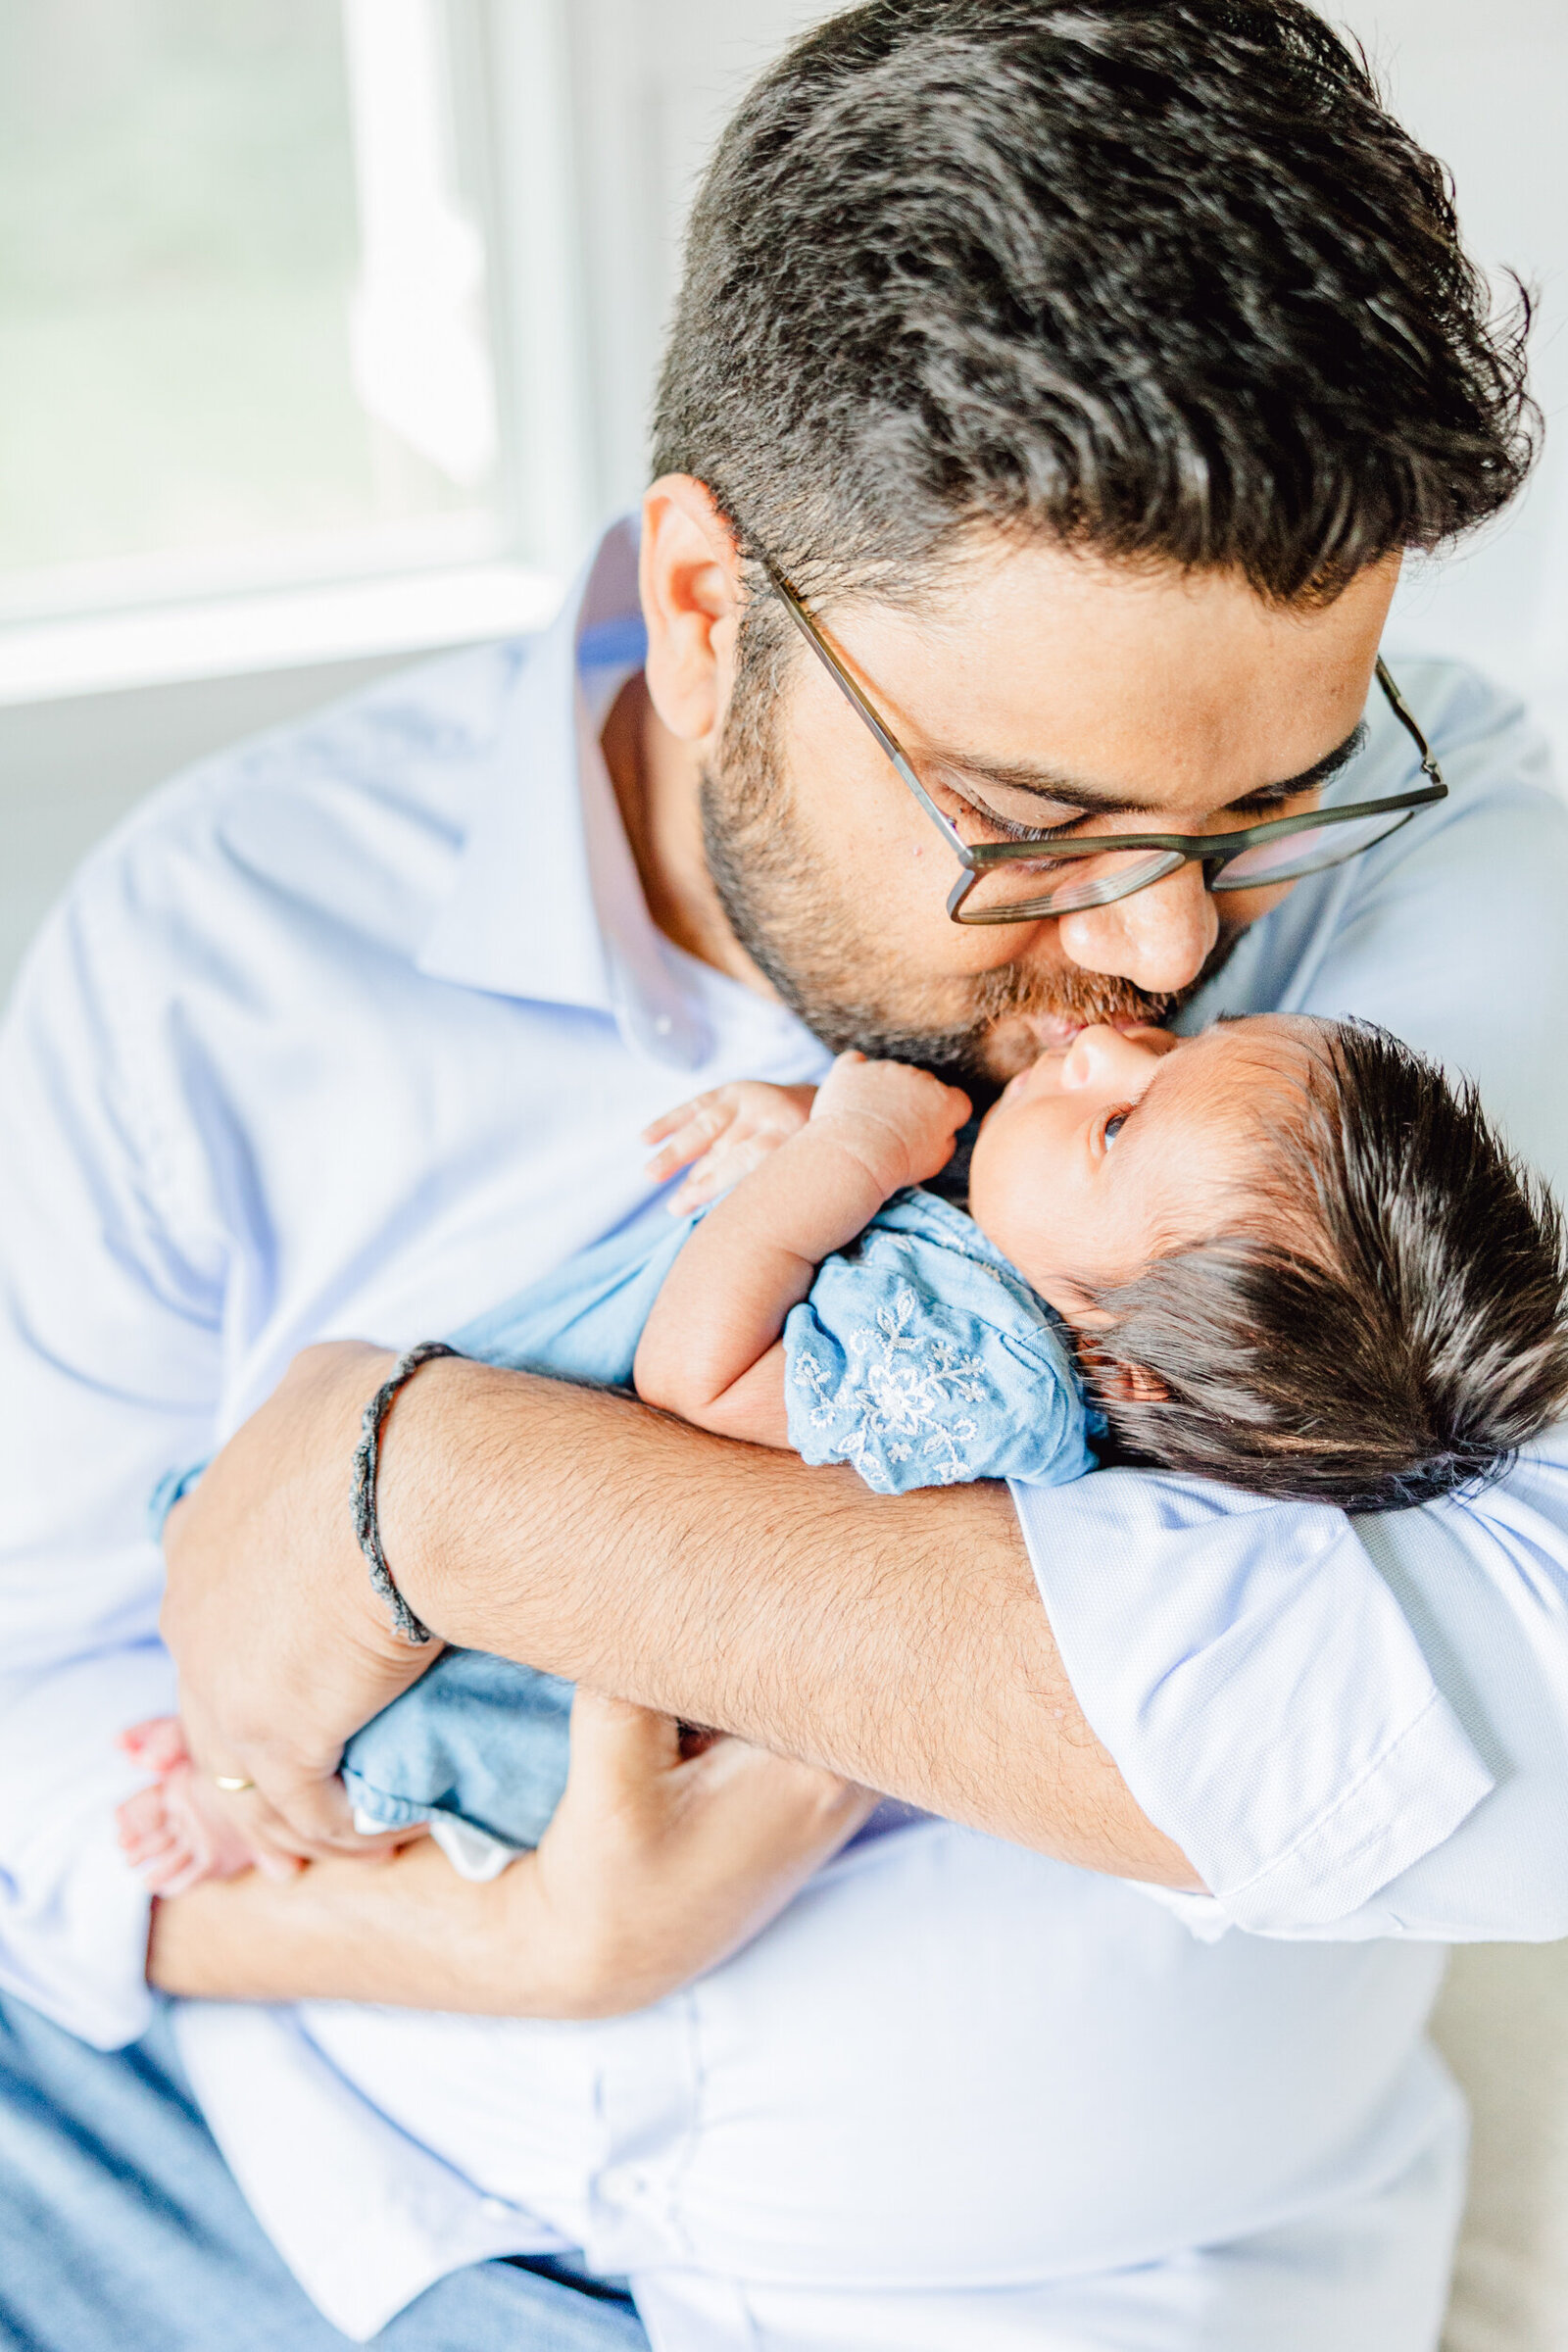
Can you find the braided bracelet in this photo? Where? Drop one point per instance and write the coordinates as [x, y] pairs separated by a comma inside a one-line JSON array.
[[366, 1461]]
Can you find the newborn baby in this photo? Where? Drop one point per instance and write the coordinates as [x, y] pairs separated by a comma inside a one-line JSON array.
[[1286, 1253]]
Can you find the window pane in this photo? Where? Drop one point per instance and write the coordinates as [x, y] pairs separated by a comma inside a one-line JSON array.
[[232, 337]]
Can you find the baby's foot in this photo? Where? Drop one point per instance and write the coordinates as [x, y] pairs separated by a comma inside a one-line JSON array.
[[181, 1828]]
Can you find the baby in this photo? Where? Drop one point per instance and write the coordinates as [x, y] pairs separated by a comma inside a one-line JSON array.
[[1286, 1253]]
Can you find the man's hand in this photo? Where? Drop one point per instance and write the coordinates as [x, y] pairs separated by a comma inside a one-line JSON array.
[[899, 1122], [656, 1866], [655, 1869], [283, 1646], [722, 1135]]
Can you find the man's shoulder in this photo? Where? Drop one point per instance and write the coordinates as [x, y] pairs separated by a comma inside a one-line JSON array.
[[1482, 730], [348, 821], [408, 748]]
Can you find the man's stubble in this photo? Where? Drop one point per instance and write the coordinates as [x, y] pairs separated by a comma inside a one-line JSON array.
[[814, 935]]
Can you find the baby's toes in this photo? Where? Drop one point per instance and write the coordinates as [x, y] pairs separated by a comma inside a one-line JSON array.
[[212, 1826], [158, 1745], [152, 1844], [171, 1873], [142, 1816]]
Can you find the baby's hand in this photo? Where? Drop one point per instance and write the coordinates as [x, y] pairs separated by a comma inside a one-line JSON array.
[[722, 1136], [900, 1122]]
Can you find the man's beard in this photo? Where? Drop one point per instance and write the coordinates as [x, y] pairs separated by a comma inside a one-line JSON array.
[[810, 927]]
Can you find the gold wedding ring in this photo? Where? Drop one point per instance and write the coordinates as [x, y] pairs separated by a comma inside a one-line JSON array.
[[230, 1783]]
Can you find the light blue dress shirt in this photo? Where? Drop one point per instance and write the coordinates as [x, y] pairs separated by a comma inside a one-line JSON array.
[[353, 1031]]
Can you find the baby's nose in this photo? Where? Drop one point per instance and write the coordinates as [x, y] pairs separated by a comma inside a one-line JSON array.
[[1105, 1055]]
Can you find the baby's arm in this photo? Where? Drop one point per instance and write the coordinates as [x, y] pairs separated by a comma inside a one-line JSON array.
[[712, 1350]]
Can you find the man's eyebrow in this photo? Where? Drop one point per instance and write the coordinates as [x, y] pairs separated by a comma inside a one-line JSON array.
[[1071, 792]]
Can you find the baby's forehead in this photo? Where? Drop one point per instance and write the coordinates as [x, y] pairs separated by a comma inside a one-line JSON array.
[[1239, 1076], [1251, 1049]]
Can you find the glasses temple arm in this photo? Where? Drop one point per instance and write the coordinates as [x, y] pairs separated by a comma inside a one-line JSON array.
[[1408, 720], [889, 743]]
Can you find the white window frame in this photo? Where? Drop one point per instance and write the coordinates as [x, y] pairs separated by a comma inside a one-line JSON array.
[[503, 68]]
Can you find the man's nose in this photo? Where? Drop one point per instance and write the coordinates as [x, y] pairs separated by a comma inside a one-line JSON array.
[[1158, 937]]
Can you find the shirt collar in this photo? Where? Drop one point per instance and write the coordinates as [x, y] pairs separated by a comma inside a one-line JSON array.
[[546, 904]]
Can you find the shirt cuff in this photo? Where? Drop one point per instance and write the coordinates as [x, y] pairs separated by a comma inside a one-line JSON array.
[[1263, 1694]]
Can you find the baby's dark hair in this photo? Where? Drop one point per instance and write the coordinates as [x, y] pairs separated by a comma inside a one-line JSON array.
[[1396, 1331]]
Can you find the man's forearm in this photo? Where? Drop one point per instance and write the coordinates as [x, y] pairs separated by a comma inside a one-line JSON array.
[[655, 1867], [408, 1931], [896, 1639]]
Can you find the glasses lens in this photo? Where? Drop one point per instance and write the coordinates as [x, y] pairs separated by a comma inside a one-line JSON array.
[[1026, 887], [1292, 855]]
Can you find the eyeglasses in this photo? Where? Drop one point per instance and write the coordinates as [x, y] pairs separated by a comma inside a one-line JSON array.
[[1021, 881]]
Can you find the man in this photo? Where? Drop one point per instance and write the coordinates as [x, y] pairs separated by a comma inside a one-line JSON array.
[[1053, 394]]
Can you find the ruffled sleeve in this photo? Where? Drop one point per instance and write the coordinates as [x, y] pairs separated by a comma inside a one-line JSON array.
[[921, 1357]]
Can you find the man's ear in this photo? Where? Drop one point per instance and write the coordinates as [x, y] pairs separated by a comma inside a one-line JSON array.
[[689, 576], [1129, 1384]]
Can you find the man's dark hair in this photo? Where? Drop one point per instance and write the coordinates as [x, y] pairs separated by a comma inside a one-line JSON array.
[[1402, 1334], [1160, 277]]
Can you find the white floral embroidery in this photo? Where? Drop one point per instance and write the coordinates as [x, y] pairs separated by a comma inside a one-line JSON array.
[[904, 1400]]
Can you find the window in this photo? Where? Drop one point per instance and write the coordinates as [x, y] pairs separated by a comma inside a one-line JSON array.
[[247, 305]]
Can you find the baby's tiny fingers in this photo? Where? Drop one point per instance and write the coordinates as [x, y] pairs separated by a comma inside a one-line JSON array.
[[690, 1142], [674, 1156], [666, 1123], [698, 1190], [710, 1113], [718, 1171]]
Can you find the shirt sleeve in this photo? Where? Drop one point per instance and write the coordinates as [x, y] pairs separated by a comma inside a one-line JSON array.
[[1359, 1727], [924, 1366], [109, 1345], [1261, 1688]]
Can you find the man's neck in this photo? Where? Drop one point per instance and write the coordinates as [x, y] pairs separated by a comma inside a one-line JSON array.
[[657, 780]]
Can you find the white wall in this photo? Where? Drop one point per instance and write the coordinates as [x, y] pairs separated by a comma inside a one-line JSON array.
[[1486, 88], [655, 81]]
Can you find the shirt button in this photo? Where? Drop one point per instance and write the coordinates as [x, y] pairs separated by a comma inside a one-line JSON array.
[[494, 2209], [663, 1024]]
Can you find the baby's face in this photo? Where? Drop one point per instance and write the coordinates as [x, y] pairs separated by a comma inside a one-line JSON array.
[[1122, 1144]]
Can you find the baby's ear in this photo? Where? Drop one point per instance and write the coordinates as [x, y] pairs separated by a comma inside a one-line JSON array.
[[1130, 1384]]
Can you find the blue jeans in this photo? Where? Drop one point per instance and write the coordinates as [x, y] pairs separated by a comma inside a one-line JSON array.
[[122, 2230]]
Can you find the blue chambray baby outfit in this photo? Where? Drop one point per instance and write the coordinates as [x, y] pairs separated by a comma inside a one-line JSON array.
[[920, 1356]]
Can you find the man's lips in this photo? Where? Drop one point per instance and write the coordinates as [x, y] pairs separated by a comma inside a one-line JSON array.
[[1056, 1031]]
